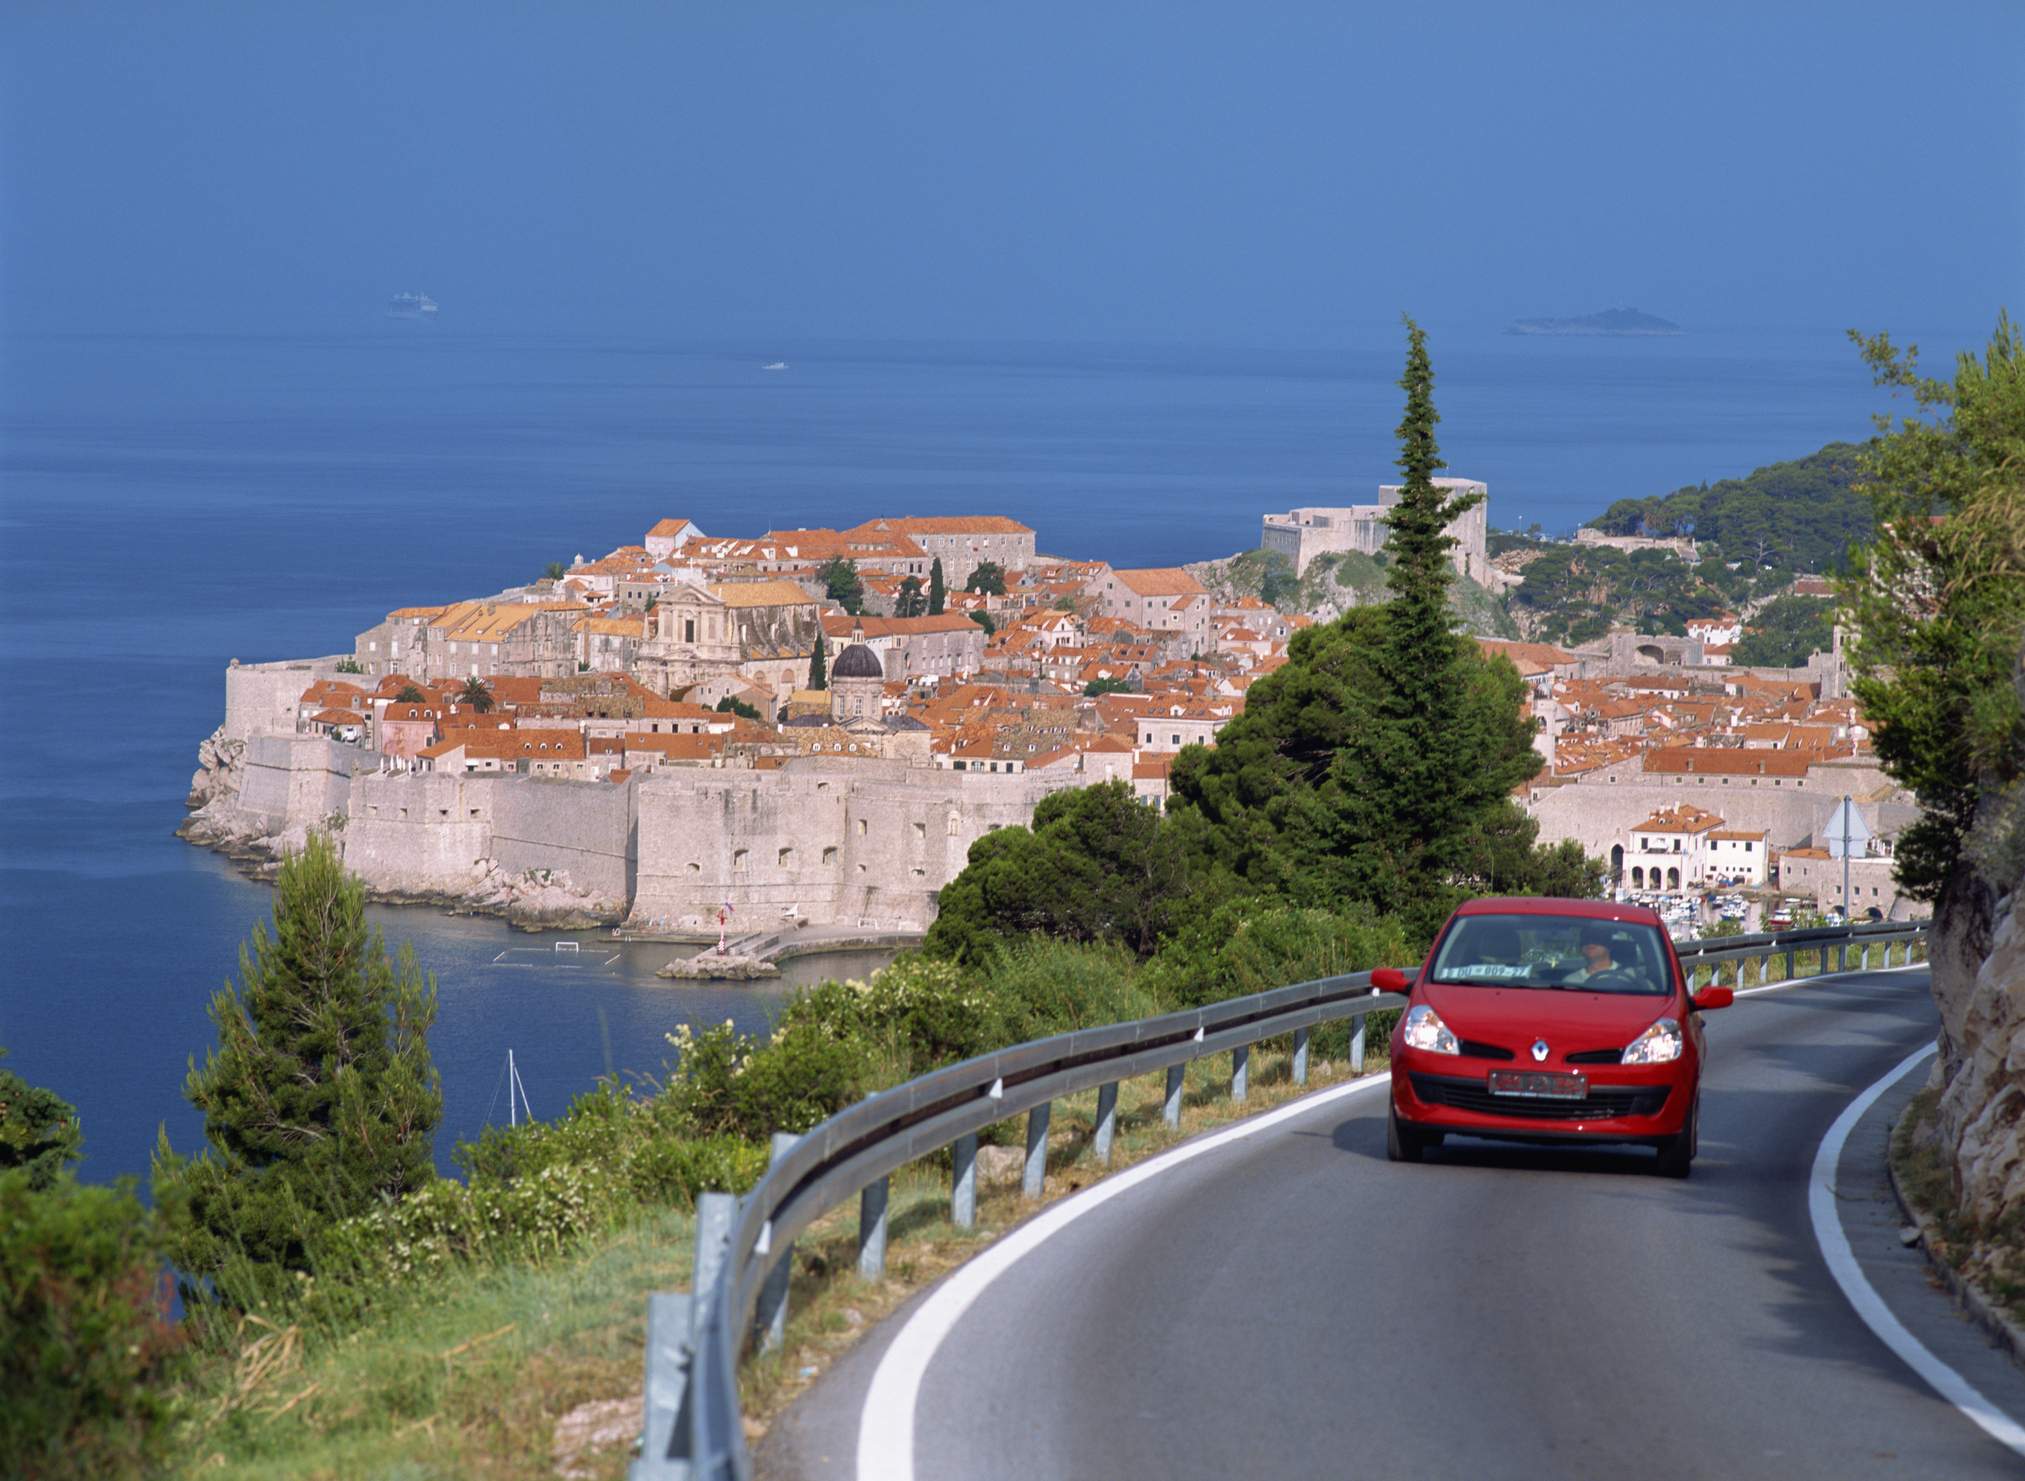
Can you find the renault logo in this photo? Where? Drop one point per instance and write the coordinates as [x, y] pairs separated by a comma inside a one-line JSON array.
[[1539, 1049]]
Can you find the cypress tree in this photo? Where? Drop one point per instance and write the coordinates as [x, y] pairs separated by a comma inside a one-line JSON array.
[[938, 589], [819, 665], [320, 1099], [1421, 658]]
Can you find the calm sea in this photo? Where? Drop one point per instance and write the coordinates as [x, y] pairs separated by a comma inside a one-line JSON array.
[[169, 503]]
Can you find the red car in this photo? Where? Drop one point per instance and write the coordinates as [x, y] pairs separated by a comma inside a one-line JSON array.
[[1541, 1020]]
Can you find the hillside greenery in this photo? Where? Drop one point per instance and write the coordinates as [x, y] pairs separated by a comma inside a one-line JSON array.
[[1799, 515], [1785, 631]]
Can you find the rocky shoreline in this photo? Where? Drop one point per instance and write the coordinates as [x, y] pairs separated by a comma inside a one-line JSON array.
[[532, 900]]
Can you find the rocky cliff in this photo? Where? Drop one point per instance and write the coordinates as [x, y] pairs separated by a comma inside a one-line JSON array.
[[1979, 984]]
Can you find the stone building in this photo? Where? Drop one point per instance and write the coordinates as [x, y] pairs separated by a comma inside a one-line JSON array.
[[857, 686], [1303, 534], [1163, 600], [948, 646], [962, 542], [764, 631]]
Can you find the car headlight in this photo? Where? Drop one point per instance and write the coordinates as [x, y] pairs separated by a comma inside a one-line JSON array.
[[1659, 1044], [1425, 1030]]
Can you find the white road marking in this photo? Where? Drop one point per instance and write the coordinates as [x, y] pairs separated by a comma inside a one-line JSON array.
[[1835, 1249], [886, 1423]]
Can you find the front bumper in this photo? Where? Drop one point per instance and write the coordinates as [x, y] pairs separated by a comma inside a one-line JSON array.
[[1625, 1104]]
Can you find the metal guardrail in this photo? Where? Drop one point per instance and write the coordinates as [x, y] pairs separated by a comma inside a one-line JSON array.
[[744, 1246]]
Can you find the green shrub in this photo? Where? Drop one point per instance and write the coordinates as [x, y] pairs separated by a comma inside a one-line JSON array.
[[733, 1084], [1248, 946], [86, 1349], [675, 1170]]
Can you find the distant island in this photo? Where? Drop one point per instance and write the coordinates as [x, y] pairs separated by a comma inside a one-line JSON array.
[[1610, 321]]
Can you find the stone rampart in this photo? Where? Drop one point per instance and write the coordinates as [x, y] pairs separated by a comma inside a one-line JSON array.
[[419, 832], [260, 698], [837, 843], [295, 781], [585, 829]]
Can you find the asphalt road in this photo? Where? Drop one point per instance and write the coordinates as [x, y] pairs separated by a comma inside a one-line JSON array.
[[1294, 1305]]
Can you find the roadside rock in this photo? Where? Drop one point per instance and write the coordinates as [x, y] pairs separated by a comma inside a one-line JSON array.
[[1981, 994]]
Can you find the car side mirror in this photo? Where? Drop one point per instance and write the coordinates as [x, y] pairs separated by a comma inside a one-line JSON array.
[[1390, 979], [1715, 997]]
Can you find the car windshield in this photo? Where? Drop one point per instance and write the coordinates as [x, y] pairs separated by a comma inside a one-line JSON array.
[[1553, 951]]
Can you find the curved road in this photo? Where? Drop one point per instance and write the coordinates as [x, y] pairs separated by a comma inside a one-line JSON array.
[[1292, 1304]]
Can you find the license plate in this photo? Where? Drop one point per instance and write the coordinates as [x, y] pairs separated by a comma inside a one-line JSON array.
[[1539, 1085]]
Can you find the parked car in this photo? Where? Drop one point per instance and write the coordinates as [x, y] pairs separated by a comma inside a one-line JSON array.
[[1542, 1020]]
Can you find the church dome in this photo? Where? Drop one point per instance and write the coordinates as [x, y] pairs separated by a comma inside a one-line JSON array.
[[857, 662]]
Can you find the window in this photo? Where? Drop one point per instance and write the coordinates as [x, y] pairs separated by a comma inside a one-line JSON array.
[[738, 858], [863, 825], [830, 854], [921, 831], [786, 858]]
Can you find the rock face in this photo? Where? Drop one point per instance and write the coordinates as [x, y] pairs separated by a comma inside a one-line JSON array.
[[708, 966], [532, 899], [1979, 985]]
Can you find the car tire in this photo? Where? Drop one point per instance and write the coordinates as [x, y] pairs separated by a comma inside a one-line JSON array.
[[1677, 1152], [1403, 1143]]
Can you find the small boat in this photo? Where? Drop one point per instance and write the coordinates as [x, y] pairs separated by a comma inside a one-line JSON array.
[[411, 306], [777, 365]]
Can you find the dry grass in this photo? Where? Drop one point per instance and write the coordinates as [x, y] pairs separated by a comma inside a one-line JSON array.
[[1993, 1259], [535, 1371]]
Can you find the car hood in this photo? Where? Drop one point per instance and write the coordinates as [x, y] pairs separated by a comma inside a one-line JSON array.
[[1515, 1016]]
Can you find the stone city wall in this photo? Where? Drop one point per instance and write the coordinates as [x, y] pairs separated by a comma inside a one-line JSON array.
[[1600, 815], [261, 698], [420, 831], [295, 781], [837, 842], [585, 829]]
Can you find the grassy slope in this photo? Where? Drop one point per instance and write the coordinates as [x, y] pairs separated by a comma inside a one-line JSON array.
[[467, 1380]]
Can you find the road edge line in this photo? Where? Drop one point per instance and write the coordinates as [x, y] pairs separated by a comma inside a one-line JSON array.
[[1856, 1287], [886, 1418]]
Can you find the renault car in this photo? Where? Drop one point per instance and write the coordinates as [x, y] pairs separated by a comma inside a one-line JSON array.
[[1541, 1020]]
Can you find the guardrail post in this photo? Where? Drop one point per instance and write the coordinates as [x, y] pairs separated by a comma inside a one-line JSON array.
[[1036, 1171], [1170, 1110], [963, 1182], [671, 1368], [1357, 1046], [872, 1230], [769, 1319], [1240, 1071], [1300, 1056], [1792, 964], [1107, 1121]]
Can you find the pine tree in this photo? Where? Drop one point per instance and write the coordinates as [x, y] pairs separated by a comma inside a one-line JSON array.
[[938, 589], [319, 1101], [819, 665], [909, 602]]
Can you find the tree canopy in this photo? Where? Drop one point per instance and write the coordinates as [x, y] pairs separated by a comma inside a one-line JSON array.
[[1937, 608], [843, 585], [987, 577], [819, 664], [1786, 631], [38, 1129], [909, 601]]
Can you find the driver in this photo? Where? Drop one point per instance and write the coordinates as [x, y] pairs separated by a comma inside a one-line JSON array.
[[1595, 955]]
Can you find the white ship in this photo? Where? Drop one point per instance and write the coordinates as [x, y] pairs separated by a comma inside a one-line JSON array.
[[411, 306]]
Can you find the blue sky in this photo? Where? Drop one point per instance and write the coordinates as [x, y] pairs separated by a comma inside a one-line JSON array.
[[1252, 173]]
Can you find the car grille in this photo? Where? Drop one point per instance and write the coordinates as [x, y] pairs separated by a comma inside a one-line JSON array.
[[1477, 1049], [1604, 1102], [1596, 1056]]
